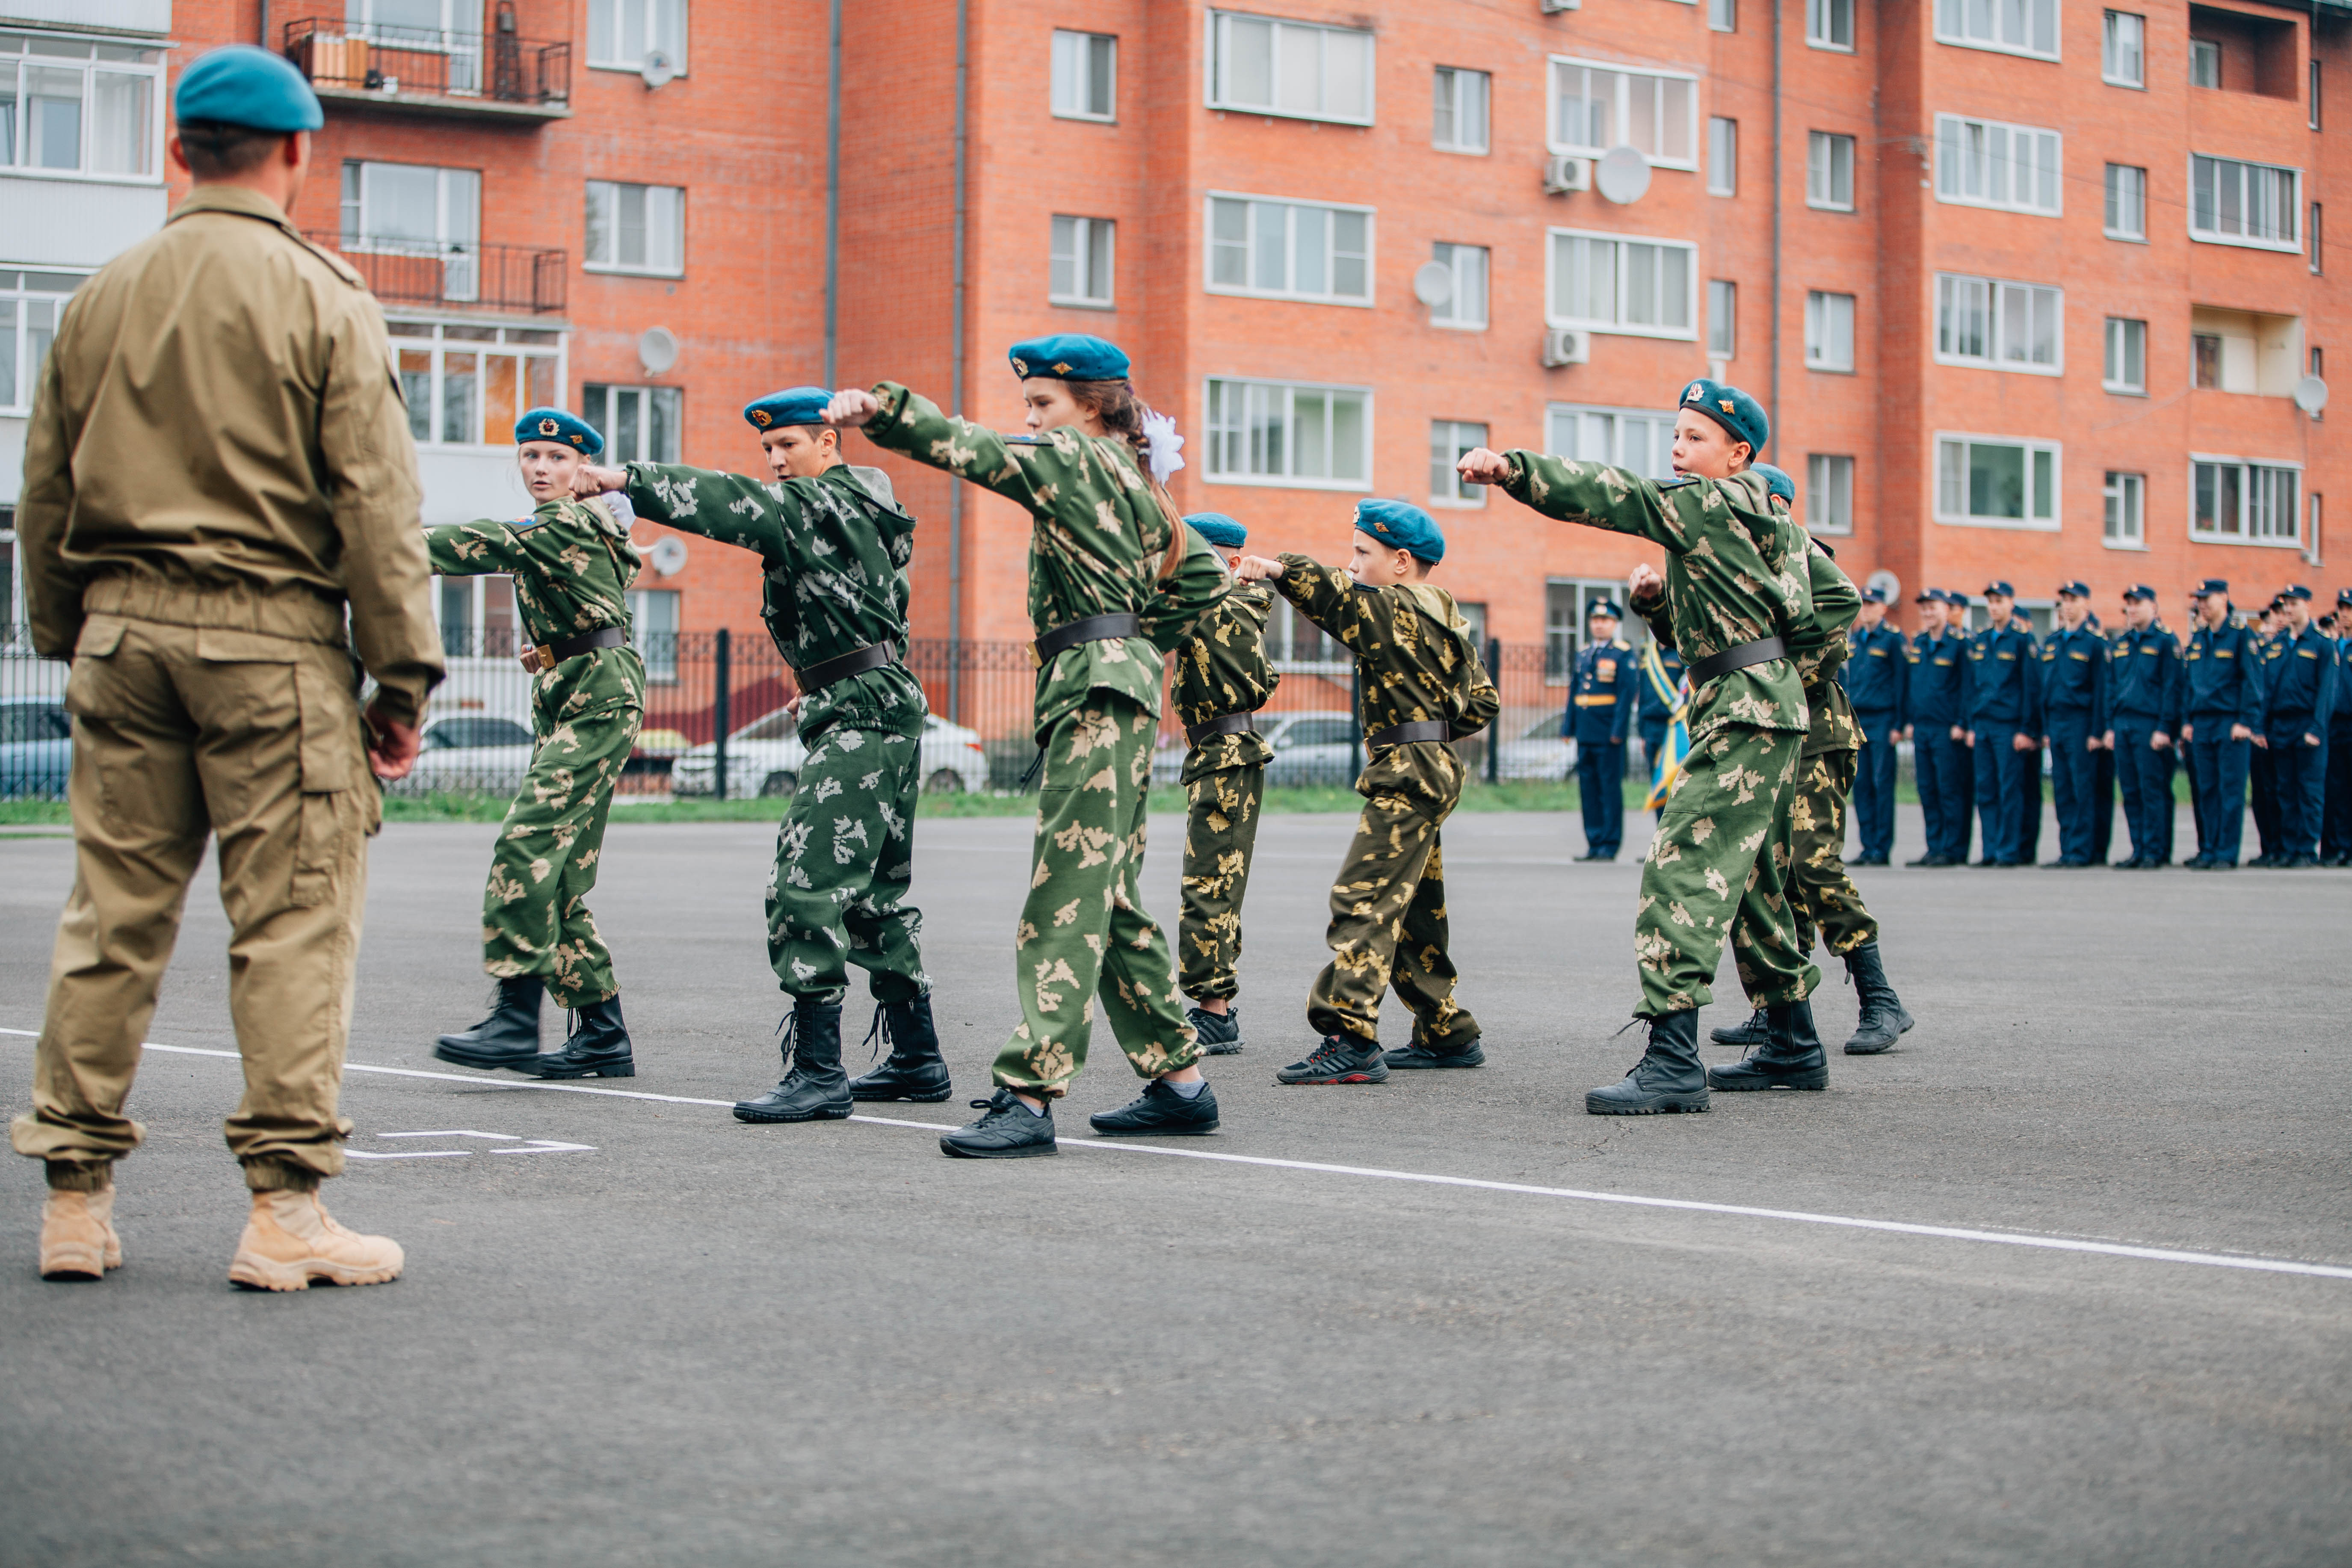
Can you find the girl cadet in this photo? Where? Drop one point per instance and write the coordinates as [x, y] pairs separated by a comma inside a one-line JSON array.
[[573, 563], [1115, 581]]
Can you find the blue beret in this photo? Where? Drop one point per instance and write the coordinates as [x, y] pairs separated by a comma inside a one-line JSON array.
[[2212, 585], [1218, 529], [1776, 481], [2074, 590], [555, 424], [2140, 591], [1400, 525], [793, 405], [2295, 591], [1603, 608], [1733, 409], [1068, 356], [241, 85], [2003, 589]]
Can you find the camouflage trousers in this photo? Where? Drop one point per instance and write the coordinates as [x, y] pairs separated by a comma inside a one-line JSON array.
[[844, 856], [1823, 896], [535, 918], [1718, 866], [1220, 831], [1389, 929], [1083, 930]]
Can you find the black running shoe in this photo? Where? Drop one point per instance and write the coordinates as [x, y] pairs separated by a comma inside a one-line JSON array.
[[1420, 1056], [1160, 1109], [1220, 1033], [1338, 1060], [1007, 1130]]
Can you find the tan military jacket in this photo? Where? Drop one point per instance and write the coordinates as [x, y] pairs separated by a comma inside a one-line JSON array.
[[218, 440]]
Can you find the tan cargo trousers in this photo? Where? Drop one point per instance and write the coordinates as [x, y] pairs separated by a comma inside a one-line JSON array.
[[182, 732]]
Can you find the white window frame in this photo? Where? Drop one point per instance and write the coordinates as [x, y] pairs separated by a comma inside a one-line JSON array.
[[2123, 523], [2029, 523], [599, 406], [456, 240], [1656, 424], [1553, 316], [1452, 139], [2202, 49], [1457, 258], [1723, 313], [1082, 231], [2115, 69], [668, 18], [2292, 206], [1621, 129], [134, 59], [1218, 24], [1823, 20], [1723, 16], [1950, 12], [1829, 492], [1290, 249], [1447, 435], [1951, 136], [18, 298], [2248, 468], [673, 197], [2117, 344], [1722, 155], [1996, 292], [1219, 432], [657, 645], [1071, 75], [2112, 196], [1822, 310], [1821, 149], [527, 343]]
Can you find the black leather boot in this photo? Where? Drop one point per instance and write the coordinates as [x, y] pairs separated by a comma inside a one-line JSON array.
[[814, 1088], [1790, 1058], [1882, 1017], [914, 1071], [1746, 1035], [598, 1046], [509, 1038], [1669, 1076]]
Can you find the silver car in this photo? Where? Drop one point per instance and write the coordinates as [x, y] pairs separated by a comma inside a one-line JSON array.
[[765, 758], [468, 753]]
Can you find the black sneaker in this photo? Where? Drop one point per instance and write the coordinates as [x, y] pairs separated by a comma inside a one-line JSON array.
[[1159, 1109], [1220, 1033], [1338, 1060], [1007, 1131], [1417, 1055]]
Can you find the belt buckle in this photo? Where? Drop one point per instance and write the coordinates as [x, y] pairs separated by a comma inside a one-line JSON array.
[[1036, 660], [535, 659]]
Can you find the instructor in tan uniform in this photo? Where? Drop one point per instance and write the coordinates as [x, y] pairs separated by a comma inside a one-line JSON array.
[[218, 469]]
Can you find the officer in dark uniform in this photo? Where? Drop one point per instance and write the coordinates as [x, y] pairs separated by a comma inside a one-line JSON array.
[[2221, 711], [1660, 684], [2336, 824], [1876, 675], [2004, 726], [2303, 694], [1935, 718], [1599, 709], [2262, 775], [2143, 694], [2074, 718], [2037, 777], [2103, 765]]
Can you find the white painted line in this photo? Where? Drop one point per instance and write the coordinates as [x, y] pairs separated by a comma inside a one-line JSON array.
[[416, 1154], [1742, 1211], [455, 1133]]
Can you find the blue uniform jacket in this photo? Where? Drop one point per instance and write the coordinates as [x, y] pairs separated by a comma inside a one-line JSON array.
[[2074, 676], [2004, 679], [2302, 694], [2341, 722], [1600, 696], [2144, 678], [1937, 692], [1655, 709], [1876, 673], [2221, 679]]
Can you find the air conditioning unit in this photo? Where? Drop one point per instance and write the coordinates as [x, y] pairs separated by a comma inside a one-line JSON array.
[[1564, 174], [1550, 6], [1566, 345]]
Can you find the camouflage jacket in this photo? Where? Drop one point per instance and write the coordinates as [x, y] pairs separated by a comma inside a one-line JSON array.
[[1733, 575], [1098, 541], [1222, 669], [573, 563], [835, 548]]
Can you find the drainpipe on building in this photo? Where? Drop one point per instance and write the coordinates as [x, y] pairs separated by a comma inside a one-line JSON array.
[[955, 380], [1776, 215], [833, 203]]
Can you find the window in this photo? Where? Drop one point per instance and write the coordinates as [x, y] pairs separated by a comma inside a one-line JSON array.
[[1275, 433], [1996, 480], [2127, 202], [478, 620], [1829, 493], [1460, 111], [1642, 288], [2126, 368], [1566, 618], [1829, 171], [2205, 355], [1080, 271], [2315, 233], [1596, 107], [622, 33], [1262, 65], [2204, 63], [1086, 76], [409, 209], [1722, 318], [2237, 502], [1294, 643], [634, 229], [79, 108], [1285, 250], [465, 385], [640, 424], [653, 628], [1722, 157], [1723, 16], [2013, 26], [1985, 163], [1829, 331], [1641, 439], [1467, 305], [2314, 119], [1828, 24], [2123, 50], [2231, 203], [2126, 527], [1451, 440], [1998, 324], [30, 303]]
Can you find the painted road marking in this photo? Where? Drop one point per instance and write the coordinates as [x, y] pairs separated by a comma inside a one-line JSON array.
[[516, 1143]]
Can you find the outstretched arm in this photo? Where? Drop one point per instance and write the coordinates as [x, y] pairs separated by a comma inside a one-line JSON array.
[[1593, 494], [732, 508]]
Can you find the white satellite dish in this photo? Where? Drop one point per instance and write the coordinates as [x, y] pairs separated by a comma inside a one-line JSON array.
[[658, 350], [657, 70], [1623, 176], [1886, 583], [668, 555], [2311, 395], [1433, 283]]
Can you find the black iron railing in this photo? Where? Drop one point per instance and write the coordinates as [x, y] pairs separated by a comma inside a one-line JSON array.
[[432, 62], [436, 273]]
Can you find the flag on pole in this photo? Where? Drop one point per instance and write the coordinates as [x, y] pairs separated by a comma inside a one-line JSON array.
[[1666, 767]]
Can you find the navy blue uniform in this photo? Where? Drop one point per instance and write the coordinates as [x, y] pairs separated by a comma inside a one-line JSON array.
[[1656, 711], [2221, 685], [2074, 710], [1876, 675], [2262, 775], [2004, 702], [1937, 699], [1599, 712], [2143, 702], [2302, 700], [2335, 822]]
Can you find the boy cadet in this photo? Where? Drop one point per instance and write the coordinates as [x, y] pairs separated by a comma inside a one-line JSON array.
[[2335, 830], [2221, 710], [1115, 581], [2074, 720], [1660, 685], [1421, 684], [1937, 726], [1876, 675], [1741, 605], [1600, 711], [573, 563], [2304, 692], [2143, 691], [835, 544], [2004, 726], [216, 473], [1220, 681]]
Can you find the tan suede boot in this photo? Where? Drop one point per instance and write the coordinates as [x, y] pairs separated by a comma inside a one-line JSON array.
[[289, 1240], [78, 1239]]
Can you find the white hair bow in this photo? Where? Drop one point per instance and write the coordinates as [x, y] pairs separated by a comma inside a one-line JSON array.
[[1162, 445]]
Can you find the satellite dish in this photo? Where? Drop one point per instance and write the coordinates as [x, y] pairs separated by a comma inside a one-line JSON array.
[[668, 555], [1433, 283], [2311, 395], [657, 68], [1623, 176], [1886, 583], [658, 350]]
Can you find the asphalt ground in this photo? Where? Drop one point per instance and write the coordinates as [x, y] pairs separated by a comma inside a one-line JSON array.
[[690, 1341]]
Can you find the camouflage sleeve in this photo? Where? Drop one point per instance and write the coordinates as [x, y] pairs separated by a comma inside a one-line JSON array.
[[1836, 603], [1656, 617], [729, 508], [475, 548], [1598, 495], [912, 424], [1480, 701], [52, 589], [1321, 593], [1185, 596]]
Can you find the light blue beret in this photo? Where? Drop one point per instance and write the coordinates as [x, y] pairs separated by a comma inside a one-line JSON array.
[[1731, 408], [241, 85], [1218, 529], [555, 424], [1776, 481], [793, 405], [1400, 525], [1068, 356]]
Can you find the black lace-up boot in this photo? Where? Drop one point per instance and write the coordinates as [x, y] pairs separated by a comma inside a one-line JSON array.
[[1669, 1077], [814, 1088], [598, 1047], [509, 1038], [1790, 1058], [914, 1071], [1746, 1035], [1882, 1016]]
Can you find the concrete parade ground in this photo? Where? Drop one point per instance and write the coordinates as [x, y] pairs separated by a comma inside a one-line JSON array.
[[2101, 1312]]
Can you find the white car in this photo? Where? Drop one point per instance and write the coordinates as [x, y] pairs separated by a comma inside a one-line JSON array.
[[765, 758], [466, 754]]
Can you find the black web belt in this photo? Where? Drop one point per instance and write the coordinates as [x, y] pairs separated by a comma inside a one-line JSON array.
[[1739, 657], [1093, 628], [1230, 724], [546, 655], [1403, 734], [817, 676]]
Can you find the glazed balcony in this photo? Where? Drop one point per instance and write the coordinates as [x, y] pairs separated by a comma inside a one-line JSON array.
[[453, 276], [426, 70]]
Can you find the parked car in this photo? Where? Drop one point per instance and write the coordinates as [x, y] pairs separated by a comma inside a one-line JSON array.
[[1539, 752], [765, 758], [36, 748], [467, 753]]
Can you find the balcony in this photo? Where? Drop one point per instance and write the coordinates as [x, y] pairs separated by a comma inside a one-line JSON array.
[[428, 70], [463, 277]]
